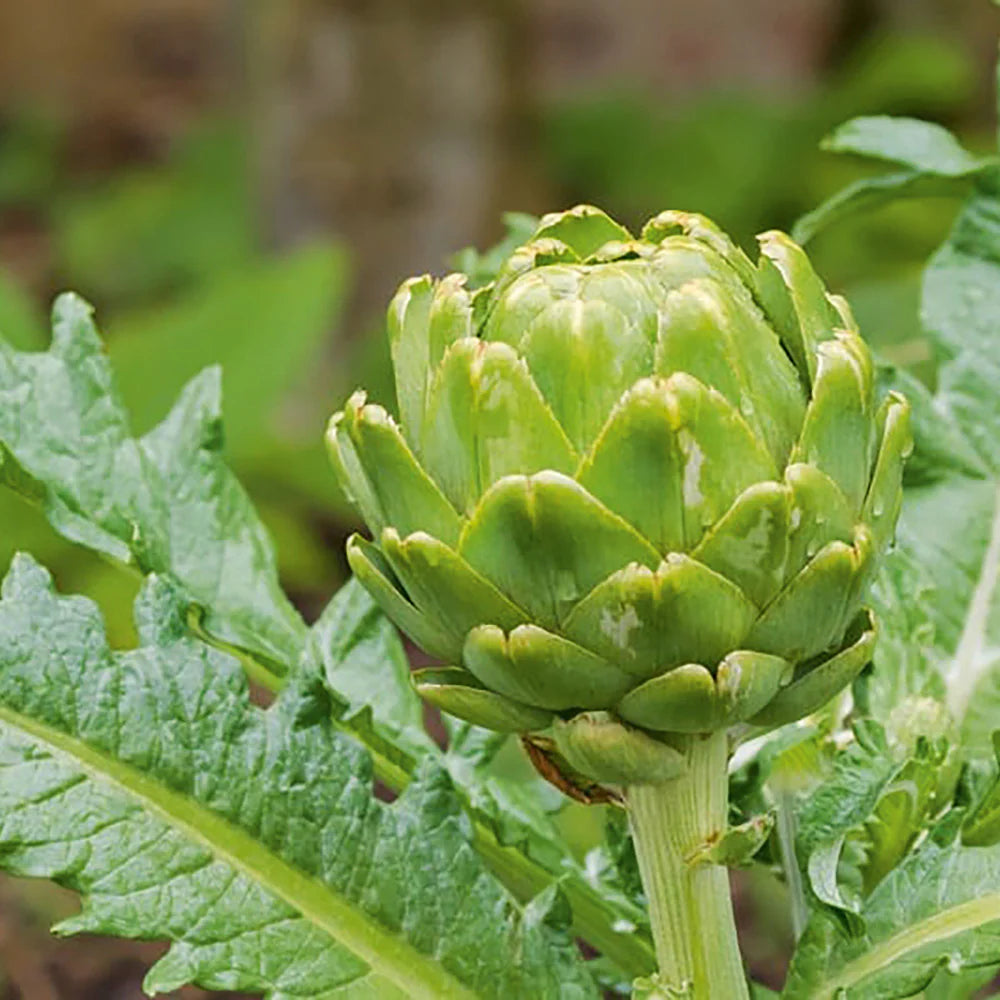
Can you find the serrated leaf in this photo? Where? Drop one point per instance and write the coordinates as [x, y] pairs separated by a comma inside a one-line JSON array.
[[361, 660], [860, 823], [904, 660], [165, 502], [250, 839], [961, 308], [949, 531], [940, 446], [961, 985], [940, 909], [981, 827], [176, 509], [363, 663], [516, 810]]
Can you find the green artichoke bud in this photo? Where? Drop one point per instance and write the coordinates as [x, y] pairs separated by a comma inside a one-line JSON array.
[[641, 477]]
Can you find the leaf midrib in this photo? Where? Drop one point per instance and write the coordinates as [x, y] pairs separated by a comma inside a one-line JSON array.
[[957, 919], [967, 664], [387, 954]]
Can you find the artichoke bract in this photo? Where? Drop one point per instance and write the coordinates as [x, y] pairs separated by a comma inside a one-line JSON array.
[[637, 487]]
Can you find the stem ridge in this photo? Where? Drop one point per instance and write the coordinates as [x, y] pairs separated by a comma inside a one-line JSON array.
[[690, 908]]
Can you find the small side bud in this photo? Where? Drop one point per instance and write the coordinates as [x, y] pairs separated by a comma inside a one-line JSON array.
[[613, 753]]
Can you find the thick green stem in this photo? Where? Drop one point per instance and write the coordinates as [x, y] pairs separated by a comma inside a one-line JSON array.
[[690, 907]]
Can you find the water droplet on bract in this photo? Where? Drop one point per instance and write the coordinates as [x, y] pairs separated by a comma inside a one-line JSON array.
[[878, 508], [811, 549]]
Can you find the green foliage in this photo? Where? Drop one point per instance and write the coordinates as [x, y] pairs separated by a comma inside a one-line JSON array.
[[948, 530], [860, 823], [251, 840], [895, 835], [939, 909], [728, 154], [149, 230], [166, 504], [932, 163]]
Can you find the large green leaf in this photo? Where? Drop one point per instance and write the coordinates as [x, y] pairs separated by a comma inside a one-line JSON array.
[[859, 824], [940, 909], [939, 596], [519, 832], [904, 659], [938, 599], [249, 839], [952, 528], [165, 502]]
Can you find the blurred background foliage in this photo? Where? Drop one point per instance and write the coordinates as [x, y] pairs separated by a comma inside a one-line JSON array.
[[245, 182]]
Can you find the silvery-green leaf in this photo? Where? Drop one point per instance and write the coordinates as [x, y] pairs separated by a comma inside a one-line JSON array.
[[246, 838], [355, 649], [163, 503], [939, 909]]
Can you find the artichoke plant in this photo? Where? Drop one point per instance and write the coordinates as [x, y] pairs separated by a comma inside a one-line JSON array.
[[636, 490]]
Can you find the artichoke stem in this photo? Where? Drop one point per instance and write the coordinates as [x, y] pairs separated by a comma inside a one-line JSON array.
[[691, 910]]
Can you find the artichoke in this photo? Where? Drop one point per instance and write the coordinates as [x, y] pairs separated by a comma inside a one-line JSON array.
[[637, 488]]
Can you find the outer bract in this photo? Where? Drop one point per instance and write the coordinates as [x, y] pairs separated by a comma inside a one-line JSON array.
[[639, 477]]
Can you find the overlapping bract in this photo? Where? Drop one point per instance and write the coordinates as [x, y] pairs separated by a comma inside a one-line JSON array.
[[643, 477]]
